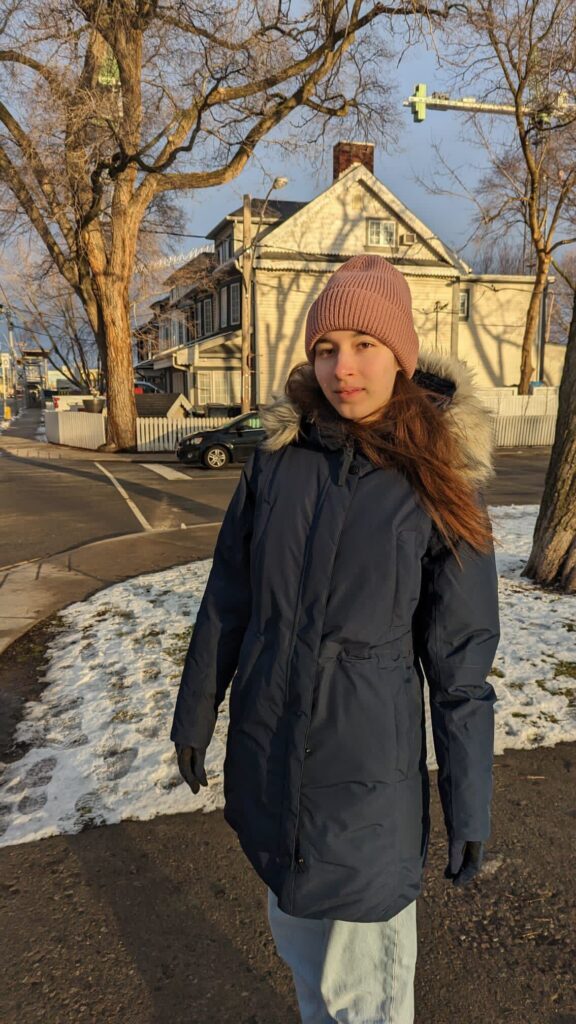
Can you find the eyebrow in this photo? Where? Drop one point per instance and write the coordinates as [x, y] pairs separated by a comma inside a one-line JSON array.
[[357, 334]]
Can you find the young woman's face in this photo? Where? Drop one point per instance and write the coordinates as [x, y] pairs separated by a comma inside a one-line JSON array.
[[356, 372]]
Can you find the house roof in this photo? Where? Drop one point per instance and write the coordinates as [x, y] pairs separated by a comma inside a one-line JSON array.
[[159, 405], [360, 173], [191, 271], [276, 210]]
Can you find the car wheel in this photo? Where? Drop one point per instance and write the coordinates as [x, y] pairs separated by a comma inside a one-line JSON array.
[[215, 457]]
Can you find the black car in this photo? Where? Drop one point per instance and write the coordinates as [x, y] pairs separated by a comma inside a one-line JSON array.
[[214, 448]]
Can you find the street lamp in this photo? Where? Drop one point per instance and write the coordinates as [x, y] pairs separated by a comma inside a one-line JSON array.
[[247, 267]]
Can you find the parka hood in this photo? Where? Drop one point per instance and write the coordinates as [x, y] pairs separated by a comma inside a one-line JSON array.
[[453, 382]]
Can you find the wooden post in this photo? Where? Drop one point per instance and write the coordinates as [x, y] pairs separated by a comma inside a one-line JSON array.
[[246, 301]]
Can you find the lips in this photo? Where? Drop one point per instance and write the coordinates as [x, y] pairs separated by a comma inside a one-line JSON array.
[[349, 392]]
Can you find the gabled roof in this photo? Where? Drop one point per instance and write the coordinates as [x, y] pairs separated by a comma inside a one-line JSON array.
[[359, 173], [276, 210]]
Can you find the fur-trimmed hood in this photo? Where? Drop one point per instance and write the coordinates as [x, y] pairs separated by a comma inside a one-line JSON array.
[[451, 378]]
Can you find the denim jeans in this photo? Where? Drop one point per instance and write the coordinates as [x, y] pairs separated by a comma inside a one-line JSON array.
[[351, 972]]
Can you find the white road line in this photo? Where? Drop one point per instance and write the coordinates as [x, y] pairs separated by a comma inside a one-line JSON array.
[[133, 508], [166, 471]]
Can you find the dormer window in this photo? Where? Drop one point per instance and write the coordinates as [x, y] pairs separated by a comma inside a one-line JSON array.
[[381, 233], [224, 250]]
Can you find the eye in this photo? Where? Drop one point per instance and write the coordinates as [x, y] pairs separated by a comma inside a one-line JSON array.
[[323, 351], [370, 344]]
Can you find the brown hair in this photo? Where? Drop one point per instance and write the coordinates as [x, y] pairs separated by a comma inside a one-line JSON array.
[[413, 436]]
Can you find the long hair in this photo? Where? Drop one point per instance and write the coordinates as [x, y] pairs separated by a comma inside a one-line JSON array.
[[411, 435]]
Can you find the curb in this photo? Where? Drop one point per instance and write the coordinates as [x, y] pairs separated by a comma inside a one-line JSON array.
[[32, 591]]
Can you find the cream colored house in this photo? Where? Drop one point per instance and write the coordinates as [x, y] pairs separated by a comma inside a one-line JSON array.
[[478, 317]]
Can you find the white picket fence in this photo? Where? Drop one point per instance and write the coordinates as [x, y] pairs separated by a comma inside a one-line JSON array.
[[158, 434], [517, 420], [154, 433]]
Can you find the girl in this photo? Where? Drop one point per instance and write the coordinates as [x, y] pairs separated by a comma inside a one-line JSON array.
[[355, 562]]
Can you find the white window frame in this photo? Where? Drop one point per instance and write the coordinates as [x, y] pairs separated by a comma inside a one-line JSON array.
[[464, 307], [203, 386], [223, 307], [199, 320], [235, 305], [207, 316], [374, 238]]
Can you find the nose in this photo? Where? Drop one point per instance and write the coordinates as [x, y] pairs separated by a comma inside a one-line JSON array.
[[344, 365]]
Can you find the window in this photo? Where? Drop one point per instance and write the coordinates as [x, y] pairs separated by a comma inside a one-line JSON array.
[[203, 386], [207, 316], [182, 335], [235, 303], [381, 233], [464, 304], [223, 307], [224, 250]]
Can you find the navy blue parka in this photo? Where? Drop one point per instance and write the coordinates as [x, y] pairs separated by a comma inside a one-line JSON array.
[[332, 600]]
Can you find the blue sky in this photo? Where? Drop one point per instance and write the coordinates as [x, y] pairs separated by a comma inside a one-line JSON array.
[[397, 166]]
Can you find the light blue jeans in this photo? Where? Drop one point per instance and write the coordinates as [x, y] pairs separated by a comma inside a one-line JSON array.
[[350, 972]]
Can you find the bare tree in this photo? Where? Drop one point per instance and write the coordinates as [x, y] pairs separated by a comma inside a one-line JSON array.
[[522, 56], [552, 561], [115, 103]]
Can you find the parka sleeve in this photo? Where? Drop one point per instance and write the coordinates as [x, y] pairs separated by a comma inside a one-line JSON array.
[[221, 622], [457, 635]]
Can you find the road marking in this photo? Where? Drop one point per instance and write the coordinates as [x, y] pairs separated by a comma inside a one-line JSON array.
[[165, 471], [133, 508]]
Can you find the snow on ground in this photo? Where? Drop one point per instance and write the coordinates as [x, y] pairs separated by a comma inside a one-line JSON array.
[[99, 734]]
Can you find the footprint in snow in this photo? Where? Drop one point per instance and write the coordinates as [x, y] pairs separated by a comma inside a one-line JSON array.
[[116, 763], [40, 773]]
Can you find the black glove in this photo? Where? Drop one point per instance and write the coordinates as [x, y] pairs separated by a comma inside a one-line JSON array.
[[464, 860], [191, 765]]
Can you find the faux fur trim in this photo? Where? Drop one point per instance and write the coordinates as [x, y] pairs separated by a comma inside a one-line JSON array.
[[468, 417]]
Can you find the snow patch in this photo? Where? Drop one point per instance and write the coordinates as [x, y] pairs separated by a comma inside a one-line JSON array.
[[99, 734]]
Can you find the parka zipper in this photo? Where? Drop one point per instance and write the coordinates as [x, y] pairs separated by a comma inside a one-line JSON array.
[[345, 465], [297, 861]]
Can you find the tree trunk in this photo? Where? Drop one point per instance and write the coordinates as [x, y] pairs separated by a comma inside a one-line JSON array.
[[121, 418], [531, 327], [552, 560]]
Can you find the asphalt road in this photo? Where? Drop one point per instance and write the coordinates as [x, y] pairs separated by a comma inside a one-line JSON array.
[[53, 505]]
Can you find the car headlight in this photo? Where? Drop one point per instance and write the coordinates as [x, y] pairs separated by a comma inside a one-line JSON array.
[[195, 440]]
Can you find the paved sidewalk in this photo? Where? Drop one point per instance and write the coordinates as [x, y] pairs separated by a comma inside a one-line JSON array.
[[34, 590], [20, 439]]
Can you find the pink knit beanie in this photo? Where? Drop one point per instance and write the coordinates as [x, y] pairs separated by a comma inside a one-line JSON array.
[[367, 294]]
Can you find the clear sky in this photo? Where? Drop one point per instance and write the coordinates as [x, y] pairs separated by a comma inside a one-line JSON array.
[[396, 166]]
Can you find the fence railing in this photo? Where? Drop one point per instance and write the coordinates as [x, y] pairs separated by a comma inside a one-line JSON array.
[[517, 420], [158, 434], [154, 433]]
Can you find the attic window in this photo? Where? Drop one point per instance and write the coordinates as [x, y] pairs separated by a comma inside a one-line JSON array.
[[381, 233]]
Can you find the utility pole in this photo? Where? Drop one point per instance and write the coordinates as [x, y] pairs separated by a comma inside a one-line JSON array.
[[12, 360], [247, 269], [246, 303]]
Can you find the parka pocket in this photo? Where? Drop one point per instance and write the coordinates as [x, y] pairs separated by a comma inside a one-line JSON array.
[[250, 651], [407, 578], [409, 725], [354, 734]]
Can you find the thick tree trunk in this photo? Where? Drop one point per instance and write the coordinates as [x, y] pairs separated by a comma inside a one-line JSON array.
[[531, 327], [121, 418], [552, 560]]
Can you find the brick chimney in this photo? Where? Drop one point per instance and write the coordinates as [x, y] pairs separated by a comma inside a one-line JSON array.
[[347, 153]]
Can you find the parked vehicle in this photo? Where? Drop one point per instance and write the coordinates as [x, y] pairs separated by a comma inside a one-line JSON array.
[[215, 448], [145, 387]]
